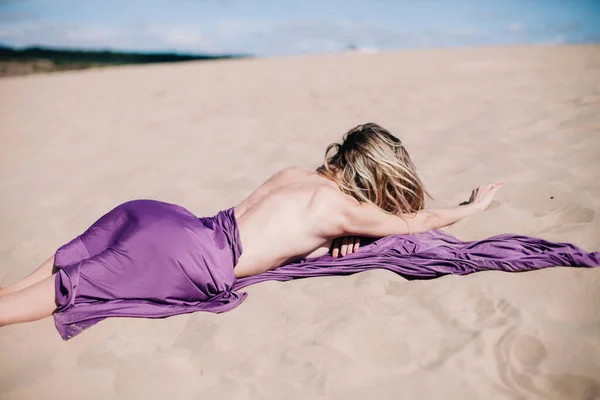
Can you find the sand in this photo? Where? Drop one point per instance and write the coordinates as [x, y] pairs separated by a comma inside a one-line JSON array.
[[203, 135]]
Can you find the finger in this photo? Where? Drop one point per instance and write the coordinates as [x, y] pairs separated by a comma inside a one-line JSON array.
[[356, 244], [348, 243], [474, 194], [344, 250], [350, 249], [341, 247], [335, 248], [346, 246]]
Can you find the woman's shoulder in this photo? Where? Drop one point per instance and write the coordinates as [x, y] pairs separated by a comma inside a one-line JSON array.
[[296, 171], [291, 175]]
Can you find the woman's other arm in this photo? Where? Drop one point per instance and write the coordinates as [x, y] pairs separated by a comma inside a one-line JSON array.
[[365, 219]]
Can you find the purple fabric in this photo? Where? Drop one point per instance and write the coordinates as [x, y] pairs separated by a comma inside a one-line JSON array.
[[151, 259], [146, 259], [435, 253]]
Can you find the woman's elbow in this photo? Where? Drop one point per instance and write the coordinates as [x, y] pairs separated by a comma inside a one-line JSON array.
[[350, 221], [346, 225]]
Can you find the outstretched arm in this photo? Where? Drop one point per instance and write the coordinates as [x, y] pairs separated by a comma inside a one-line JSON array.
[[365, 219]]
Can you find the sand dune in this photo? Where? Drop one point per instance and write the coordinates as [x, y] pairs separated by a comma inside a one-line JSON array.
[[75, 144]]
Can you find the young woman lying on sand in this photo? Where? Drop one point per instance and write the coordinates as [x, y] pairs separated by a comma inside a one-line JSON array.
[[152, 259]]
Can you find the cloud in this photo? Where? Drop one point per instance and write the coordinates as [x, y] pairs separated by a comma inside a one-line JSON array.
[[141, 37], [238, 35], [516, 27], [315, 36], [28, 29], [5, 34], [181, 37], [271, 37], [93, 35]]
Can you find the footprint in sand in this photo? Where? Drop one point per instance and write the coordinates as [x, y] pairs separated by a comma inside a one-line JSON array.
[[299, 362], [569, 215], [577, 215], [519, 357], [373, 340], [547, 203], [528, 351], [575, 387]]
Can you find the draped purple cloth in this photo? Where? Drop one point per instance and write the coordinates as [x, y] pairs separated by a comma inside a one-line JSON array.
[[435, 253], [151, 259]]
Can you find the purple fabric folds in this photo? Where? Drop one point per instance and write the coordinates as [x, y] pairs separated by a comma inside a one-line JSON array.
[[151, 259], [435, 253], [146, 259]]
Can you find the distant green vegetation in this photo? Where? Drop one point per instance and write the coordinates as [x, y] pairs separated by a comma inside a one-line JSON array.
[[39, 59]]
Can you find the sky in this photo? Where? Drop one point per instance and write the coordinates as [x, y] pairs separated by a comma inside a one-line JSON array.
[[290, 27]]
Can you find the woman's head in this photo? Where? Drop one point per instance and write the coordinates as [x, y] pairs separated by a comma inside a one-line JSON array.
[[373, 166]]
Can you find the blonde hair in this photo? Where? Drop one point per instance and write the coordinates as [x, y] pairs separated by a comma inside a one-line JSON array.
[[373, 166]]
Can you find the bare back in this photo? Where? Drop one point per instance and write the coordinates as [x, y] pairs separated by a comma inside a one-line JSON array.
[[280, 221]]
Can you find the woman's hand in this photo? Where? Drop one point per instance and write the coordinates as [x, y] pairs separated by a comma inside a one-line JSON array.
[[482, 196], [344, 245]]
